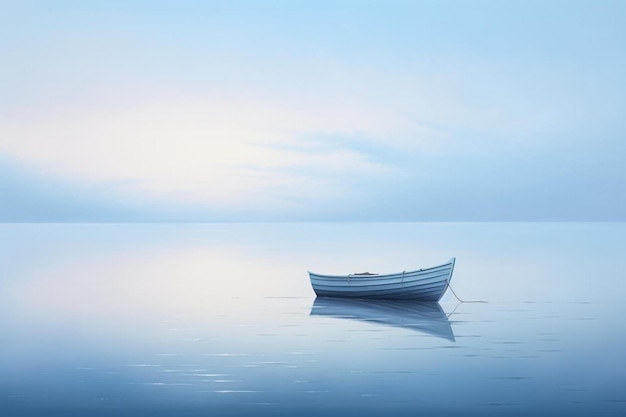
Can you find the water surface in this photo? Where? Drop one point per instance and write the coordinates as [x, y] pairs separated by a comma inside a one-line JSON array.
[[220, 319]]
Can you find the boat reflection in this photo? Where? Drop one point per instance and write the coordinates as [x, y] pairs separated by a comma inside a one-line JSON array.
[[424, 317]]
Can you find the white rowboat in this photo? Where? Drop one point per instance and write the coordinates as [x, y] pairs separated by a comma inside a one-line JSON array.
[[427, 284]]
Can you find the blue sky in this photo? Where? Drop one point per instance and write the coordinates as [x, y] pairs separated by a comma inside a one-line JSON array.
[[344, 110]]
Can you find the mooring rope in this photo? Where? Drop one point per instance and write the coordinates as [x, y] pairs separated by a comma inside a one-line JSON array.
[[464, 301]]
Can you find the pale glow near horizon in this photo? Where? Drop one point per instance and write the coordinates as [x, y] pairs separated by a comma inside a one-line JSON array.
[[199, 151]]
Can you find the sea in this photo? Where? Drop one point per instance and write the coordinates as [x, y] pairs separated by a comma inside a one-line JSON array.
[[220, 320]]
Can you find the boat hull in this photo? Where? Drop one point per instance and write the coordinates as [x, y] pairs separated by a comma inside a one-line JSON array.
[[428, 284]]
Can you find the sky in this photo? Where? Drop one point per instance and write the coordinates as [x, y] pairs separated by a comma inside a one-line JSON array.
[[312, 111]]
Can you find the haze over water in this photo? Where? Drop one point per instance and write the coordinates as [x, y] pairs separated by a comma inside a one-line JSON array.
[[220, 319]]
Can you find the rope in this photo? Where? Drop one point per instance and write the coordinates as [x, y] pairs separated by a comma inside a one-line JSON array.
[[464, 301]]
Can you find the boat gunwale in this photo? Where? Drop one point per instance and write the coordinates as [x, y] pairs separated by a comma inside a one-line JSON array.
[[450, 263], [389, 281]]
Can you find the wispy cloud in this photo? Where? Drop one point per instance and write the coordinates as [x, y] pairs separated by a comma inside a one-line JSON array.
[[307, 112]]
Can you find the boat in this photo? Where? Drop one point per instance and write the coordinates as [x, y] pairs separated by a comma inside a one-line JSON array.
[[423, 317], [427, 284]]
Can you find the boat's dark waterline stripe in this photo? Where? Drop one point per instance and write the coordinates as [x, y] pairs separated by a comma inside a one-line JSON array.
[[430, 294]]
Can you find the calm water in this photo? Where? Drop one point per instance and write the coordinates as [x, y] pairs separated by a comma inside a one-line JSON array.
[[213, 319]]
